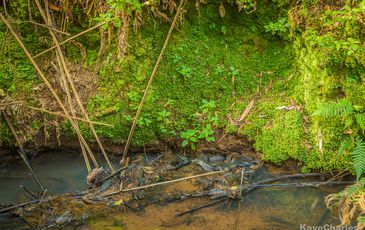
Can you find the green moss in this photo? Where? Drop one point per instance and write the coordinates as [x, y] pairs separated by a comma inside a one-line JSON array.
[[199, 63], [228, 60], [283, 138]]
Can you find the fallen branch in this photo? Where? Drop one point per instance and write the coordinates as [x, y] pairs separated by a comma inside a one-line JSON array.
[[300, 184], [32, 194], [262, 184], [113, 174], [291, 176], [165, 182], [259, 186], [201, 207], [284, 177], [22, 152], [8, 209]]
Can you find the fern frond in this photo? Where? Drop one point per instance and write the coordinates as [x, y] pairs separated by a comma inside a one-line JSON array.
[[358, 157], [349, 121], [344, 146], [360, 120], [352, 190], [332, 109]]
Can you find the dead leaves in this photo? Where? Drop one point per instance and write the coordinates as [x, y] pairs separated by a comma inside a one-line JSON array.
[[240, 121]]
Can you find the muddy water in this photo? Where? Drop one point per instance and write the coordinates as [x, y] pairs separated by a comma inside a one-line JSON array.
[[261, 209]]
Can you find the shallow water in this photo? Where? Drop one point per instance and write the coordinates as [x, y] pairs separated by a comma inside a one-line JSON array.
[[261, 209]]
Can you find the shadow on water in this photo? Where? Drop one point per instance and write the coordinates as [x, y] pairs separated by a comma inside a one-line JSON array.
[[261, 209]]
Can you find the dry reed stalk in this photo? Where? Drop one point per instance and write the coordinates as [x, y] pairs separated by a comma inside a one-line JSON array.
[[165, 182], [85, 149], [21, 151], [63, 115], [70, 38], [63, 65], [42, 25], [41, 74], [68, 96]]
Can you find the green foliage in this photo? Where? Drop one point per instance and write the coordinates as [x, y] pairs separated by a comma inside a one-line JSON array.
[[332, 109], [280, 27], [204, 121], [20, 8], [352, 118], [358, 156], [185, 71], [335, 31], [116, 8], [282, 138]]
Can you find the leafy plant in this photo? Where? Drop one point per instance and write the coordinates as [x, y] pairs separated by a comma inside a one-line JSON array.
[[164, 121], [353, 119], [204, 120], [116, 10], [279, 27], [185, 71], [224, 30], [358, 156], [190, 136], [332, 109]]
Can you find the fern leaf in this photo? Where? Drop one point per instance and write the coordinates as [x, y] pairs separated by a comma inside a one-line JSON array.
[[358, 157], [352, 189], [360, 120], [344, 146], [332, 109]]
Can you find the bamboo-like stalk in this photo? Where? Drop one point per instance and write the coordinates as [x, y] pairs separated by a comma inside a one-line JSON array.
[[42, 25], [22, 152], [68, 96], [62, 64], [63, 115], [85, 149], [70, 38], [131, 132], [165, 182], [43, 77]]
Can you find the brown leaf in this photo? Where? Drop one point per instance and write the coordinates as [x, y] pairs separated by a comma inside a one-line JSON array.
[[349, 132], [247, 110], [54, 7]]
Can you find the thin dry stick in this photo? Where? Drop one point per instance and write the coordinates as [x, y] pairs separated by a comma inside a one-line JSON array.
[[85, 149], [166, 182], [73, 88], [63, 115], [5, 9], [41, 74], [70, 38], [125, 152], [45, 26], [68, 95], [21, 151]]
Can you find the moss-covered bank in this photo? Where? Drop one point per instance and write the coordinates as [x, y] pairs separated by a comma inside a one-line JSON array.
[[281, 56]]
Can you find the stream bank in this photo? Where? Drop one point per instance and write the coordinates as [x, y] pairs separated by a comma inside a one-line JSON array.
[[226, 144], [66, 179]]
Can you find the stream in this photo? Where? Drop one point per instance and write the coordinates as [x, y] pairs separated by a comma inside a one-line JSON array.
[[261, 209]]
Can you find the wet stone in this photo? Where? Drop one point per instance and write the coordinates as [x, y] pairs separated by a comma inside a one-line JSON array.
[[216, 158]]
